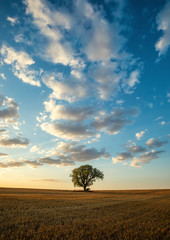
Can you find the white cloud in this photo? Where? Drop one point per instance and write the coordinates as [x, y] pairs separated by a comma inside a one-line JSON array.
[[21, 62], [107, 78], [120, 101], [150, 105], [12, 20], [68, 112], [156, 142], [8, 110], [163, 22], [49, 22], [114, 122], [134, 78], [80, 153], [168, 97], [72, 151], [68, 130], [69, 90], [121, 157], [2, 75], [103, 44], [163, 123], [145, 158], [139, 135], [95, 37], [35, 148]]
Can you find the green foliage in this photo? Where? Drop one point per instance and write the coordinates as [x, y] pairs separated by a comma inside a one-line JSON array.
[[85, 176]]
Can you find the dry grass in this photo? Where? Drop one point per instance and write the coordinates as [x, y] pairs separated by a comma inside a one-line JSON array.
[[49, 214]]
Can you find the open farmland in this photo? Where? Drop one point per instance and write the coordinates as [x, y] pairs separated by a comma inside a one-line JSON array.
[[51, 214]]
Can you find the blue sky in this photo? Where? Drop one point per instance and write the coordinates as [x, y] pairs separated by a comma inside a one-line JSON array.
[[84, 82]]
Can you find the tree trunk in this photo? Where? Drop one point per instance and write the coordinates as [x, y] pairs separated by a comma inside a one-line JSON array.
[[84, 188]]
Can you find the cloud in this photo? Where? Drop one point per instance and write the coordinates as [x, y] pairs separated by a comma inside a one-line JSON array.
[[136, 149], [47, 180], [68, 130], [163, 123], [145, 158], [121, 157], [110, 123], [8, 109], [20, 163], [2, 75], [133, 78], [56, 162], [49, 23], [120, 101], [114, 122], [103, 44], [163, 22], [14, 142], [3, 131], [80, 153], [69, 90], [33, 164], [133, 153], [68, 112], [168, 97], [74, 152], [3, 154], [11, 164], [139, 135], [150, 105], [156, 142], [21, 62], [81, 37], [107, 78], [35, 148], [12, 20]]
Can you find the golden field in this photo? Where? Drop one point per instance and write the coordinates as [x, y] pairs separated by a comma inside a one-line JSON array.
[[54, 214]]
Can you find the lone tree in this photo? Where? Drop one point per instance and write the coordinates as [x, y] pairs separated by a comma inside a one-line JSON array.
[[85, 176]]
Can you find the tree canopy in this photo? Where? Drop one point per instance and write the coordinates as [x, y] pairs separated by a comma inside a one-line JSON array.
[[85, 175]]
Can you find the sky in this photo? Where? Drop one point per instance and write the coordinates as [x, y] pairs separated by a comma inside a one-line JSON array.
[[85, 82]]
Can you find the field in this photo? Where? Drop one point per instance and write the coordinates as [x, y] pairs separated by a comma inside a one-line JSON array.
[[53, 214]]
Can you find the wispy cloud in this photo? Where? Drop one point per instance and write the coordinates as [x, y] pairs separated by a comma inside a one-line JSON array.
[[68, 112], [56, 162], [35, 148], [114, 122], [145, 158], [21, 62], [12, 20], [168, 97], [156, 142], [133, 152], [163, 22], [14, 142], [121, 157], [47, 180], [3, 154]]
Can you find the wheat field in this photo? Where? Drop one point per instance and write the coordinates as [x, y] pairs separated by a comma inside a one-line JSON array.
[[27, 214]]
